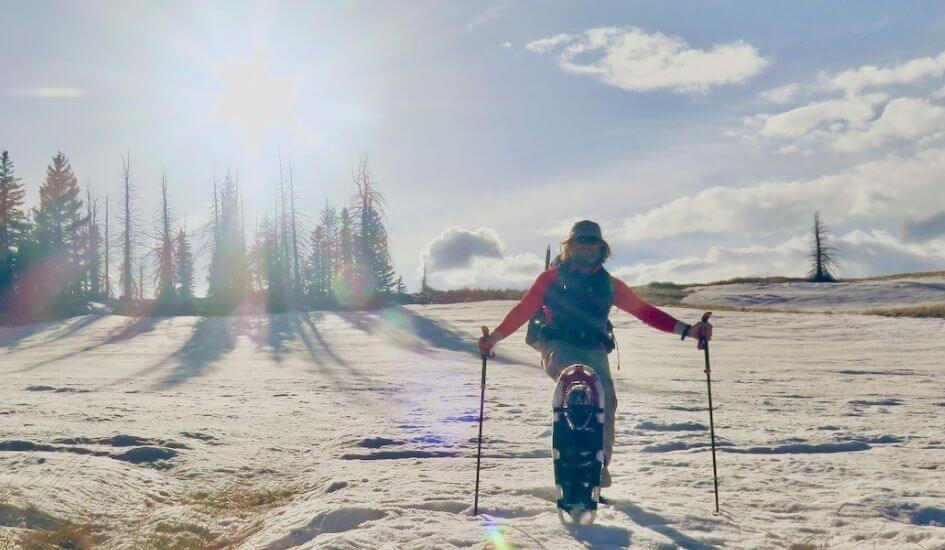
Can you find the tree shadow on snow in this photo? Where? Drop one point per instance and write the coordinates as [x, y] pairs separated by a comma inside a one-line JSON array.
[[658, 523], [133, 329], [428, 332], [211, 339]]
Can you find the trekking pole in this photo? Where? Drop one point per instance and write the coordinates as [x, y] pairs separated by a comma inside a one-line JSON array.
[[704, 345], [482, 403]]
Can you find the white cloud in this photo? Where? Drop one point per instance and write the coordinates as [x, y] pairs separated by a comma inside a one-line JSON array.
[[636, 60], [903, 118], [855, 112], [459, 258], [887, 191], [860, 254], [456, 248], [855, 80], [513, 271], [781, 94], [48, 92], [492, 13], [722, 262], [940, 94]]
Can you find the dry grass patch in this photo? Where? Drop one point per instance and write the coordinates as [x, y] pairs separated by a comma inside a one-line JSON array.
[[936, 311], [65, 535]]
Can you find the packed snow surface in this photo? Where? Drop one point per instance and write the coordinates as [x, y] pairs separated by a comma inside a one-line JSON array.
[[358, 430], [852, 296]]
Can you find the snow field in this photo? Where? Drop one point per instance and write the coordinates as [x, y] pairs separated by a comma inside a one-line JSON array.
[[358, 430]]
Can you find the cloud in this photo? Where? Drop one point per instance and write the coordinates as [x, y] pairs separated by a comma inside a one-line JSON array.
[[798, 122], [927, 229], [855, 80], [891, 190], [455, 248], [860, 254], [781, 94], [633, 59], [514, 271], [903, 118], [491, 13], [48, 92], [722, 262]]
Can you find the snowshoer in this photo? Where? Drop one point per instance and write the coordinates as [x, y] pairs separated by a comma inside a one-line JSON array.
[[573, 301]]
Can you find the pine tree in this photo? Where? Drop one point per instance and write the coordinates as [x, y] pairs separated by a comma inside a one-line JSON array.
[[823, 256], [345, 240], [13, 223], [228, 269], [58, 240], [330, 223], [321, 282], [184, 263], [269, 265], [373, 259]]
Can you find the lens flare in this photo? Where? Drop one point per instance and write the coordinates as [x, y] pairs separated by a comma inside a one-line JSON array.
[[495, 540], [352, 289]]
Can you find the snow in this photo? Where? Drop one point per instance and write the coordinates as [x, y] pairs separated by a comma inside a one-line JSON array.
[[358, 430], [853, 296]]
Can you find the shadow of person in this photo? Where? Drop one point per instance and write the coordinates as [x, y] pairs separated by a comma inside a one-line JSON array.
[[600, 536], [658, 523]]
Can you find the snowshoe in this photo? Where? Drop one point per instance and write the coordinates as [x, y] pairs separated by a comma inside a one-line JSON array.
[[578, 443]]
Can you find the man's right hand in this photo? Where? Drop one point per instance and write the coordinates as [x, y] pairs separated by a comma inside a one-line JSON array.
[[487, 342]]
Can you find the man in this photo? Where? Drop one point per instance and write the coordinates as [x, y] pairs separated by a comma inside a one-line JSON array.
[[575, 298]]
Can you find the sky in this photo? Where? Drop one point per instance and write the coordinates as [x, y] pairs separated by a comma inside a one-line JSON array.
[[702, 136]]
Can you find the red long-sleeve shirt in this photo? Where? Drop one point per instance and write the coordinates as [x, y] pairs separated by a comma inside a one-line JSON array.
[[624, 299]]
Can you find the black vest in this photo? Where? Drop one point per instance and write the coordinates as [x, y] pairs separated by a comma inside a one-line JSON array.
[[579, 305]]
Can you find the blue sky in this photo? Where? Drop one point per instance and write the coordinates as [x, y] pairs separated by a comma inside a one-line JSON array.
[[702, 135]]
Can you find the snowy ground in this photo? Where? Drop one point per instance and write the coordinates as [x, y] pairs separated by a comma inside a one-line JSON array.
[[357, 430], [835, 297]]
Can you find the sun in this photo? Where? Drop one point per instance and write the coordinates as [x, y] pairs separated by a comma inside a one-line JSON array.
[[252, 98]]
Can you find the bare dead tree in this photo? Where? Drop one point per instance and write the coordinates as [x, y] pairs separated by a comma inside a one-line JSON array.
[[127, 219], [297, 285], [823, 256], [166, 293], [108, 283]]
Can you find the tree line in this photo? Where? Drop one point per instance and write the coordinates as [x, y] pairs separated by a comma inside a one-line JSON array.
[[60, 256]]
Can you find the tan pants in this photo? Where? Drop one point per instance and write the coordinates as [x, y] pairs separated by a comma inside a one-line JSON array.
[[557, 356]]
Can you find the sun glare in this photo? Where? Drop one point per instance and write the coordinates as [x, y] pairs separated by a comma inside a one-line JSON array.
[[252, 98]]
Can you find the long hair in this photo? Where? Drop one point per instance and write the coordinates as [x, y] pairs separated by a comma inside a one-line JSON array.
[[566, 250]]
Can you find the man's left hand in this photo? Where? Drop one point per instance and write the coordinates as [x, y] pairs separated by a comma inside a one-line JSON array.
[[701, 330]]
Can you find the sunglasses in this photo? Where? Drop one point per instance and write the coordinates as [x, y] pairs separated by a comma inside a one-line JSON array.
[[586, 239]]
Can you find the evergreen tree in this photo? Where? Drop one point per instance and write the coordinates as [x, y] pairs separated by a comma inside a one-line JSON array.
[[59, 243], [270, 266], [321, 282], [13, 224], [373, 259], [331, 229], [228, 269], [823, 256], [345, 240], [184, 263]]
